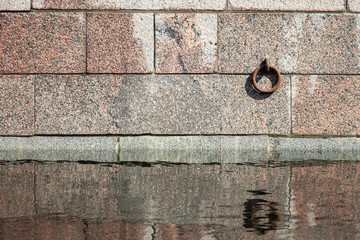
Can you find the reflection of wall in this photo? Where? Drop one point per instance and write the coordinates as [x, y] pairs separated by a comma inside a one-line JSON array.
[[326, 195], [178, 200], [178, 194], [183, 194]]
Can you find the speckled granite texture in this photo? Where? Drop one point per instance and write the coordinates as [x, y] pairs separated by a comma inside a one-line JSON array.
[[186, 43], [120, 43], [131, 4], [296, 43], [326, 105], [165, 104], [16, 105], [289, 5], [179, 67], [354, 5], [42, 42], [15, 5]]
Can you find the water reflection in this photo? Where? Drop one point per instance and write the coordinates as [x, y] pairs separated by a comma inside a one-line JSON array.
[[164, 201], [260, 216]]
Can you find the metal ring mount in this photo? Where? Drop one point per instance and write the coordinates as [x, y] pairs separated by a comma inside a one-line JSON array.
[[268, 68]]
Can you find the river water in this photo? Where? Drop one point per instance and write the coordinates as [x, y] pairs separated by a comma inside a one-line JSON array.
[[79, 200]]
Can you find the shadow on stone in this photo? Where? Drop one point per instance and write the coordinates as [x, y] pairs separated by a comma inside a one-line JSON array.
[[253, 93]]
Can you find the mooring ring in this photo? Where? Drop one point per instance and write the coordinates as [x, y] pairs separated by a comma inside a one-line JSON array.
[[268, 68]]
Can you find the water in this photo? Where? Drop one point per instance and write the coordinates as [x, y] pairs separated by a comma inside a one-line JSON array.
[[318, 200]]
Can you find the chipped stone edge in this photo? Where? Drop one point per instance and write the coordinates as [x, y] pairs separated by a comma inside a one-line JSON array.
[[180, 149]]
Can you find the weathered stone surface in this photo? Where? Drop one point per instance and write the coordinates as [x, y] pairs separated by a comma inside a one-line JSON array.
[[16, 105], [99, 104], [194, 149], [17, 191], [184, 104], [120, 43], [42, 42], [15, 5], [326, 105], [331, 149], [289, 5], [179, 149], [354, 5], [42, 227], [163, 104], [325, 196], [186, 43], [294, 43], [130, 4], [99, 149]]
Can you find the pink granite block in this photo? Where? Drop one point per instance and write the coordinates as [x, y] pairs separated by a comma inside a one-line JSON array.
[[120, 43], [42, 42], [288, 5], [97, 104], [186, 43], [16, 105], [245, 111], [72, 105], [326, 105], [130, 4], [295, 43], [165, 104], [185, 104]]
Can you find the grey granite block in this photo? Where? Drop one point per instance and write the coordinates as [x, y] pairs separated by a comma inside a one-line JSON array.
[[100, 149], [180, 149], [242, 149], [330, 149]]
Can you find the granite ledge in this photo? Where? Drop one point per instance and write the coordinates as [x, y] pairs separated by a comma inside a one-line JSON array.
[[180, 149]]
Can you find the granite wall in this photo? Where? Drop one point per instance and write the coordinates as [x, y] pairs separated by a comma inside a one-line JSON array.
[[172, 67]]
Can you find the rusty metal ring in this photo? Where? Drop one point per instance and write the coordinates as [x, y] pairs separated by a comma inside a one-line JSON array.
[[268, 69]]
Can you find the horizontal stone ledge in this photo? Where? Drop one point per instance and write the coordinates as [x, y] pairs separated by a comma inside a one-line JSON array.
[[179, 149], [98, 149]]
